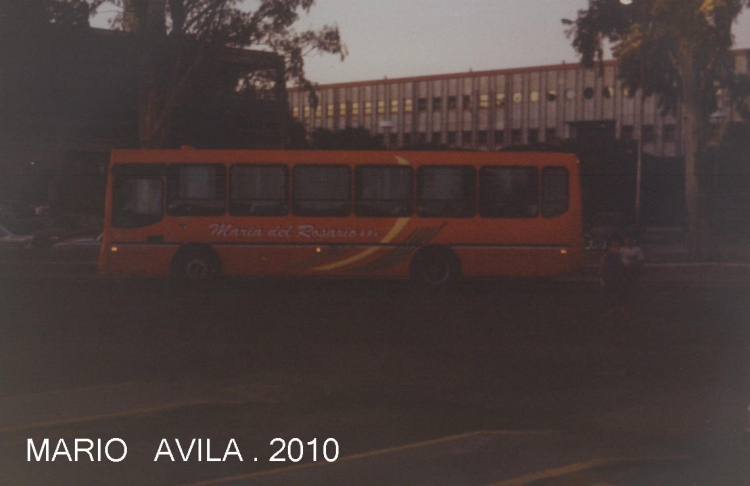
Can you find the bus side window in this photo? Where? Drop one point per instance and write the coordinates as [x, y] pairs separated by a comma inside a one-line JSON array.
[[136, 201], [555, 191], [196, 190], [446, 191], [383, 191], [321, 190], [508, 192], [258, 190]]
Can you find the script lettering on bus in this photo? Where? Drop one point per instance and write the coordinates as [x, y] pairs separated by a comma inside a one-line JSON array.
[[230, 230], [279, 232], [308, 231], [311, 231]]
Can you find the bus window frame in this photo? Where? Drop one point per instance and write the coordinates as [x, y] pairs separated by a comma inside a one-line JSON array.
[[537, 174], [543, 202], [409, 211], [472, 197], [295, 211], [172, 184], [123, 176], [231, 202]]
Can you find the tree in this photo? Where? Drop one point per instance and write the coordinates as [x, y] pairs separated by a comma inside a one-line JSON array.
[[678, 50], [29, 13], [35, 37], [180, 41]]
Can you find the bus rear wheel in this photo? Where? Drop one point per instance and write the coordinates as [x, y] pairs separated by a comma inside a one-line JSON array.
[[196, 265], [435, 267]]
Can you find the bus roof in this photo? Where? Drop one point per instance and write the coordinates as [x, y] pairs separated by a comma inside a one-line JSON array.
[[404, 157]]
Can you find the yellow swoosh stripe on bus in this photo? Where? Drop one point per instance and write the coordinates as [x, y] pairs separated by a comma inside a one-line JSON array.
[[414, 240], [402, 161], [395, 230]]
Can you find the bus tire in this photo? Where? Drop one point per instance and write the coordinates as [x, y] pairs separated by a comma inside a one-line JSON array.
[[196, 264], [435, 267]]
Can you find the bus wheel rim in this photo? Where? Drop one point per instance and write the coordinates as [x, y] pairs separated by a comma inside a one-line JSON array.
[[437, 272], [197, 270]]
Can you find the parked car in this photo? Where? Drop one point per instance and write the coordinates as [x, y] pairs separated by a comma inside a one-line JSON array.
[[12, 240], [87, 241], [55, 229], [79, 250]]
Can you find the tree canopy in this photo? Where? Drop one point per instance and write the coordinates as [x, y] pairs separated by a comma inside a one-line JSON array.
[[232, 23], [649, 39], [180, 38], [37, 12], [678, 50], [179, 46], [178, 51], [36, 39]]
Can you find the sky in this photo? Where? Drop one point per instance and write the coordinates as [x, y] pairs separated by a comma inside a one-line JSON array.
[[401, 38], [398, 38]]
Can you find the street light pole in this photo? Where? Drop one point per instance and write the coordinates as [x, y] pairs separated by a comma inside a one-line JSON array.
[[721, 118], [638, 171], [639, 156]]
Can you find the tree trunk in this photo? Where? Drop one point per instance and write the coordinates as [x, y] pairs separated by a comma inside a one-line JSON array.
[[692, 190], [692, 126], [146, 20], [148, 100], [153, 116]]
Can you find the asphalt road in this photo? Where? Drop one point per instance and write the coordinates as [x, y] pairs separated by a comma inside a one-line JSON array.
[[492, 382]]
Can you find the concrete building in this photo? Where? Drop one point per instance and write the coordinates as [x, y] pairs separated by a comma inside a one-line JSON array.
[[489, 110]]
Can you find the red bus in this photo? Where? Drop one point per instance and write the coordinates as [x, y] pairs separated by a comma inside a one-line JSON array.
[[431, 216]]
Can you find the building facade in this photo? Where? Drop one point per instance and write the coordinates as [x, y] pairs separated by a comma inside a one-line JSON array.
[[490, 110]]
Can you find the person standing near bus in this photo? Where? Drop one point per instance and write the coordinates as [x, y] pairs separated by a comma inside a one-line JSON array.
[[632, 256], [633, 260], [613, 277]]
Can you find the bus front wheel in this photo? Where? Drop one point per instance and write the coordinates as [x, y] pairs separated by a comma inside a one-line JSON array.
[[196, 264], [435, 267]]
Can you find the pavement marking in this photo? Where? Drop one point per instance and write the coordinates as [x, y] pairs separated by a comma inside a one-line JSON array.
[[578, 467], [127, 413], [249, 396], [364, 455]]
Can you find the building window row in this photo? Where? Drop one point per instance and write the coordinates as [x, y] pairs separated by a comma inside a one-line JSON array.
[[451, 102]]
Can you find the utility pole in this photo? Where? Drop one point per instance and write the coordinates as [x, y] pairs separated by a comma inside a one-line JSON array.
[[639, 156]]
